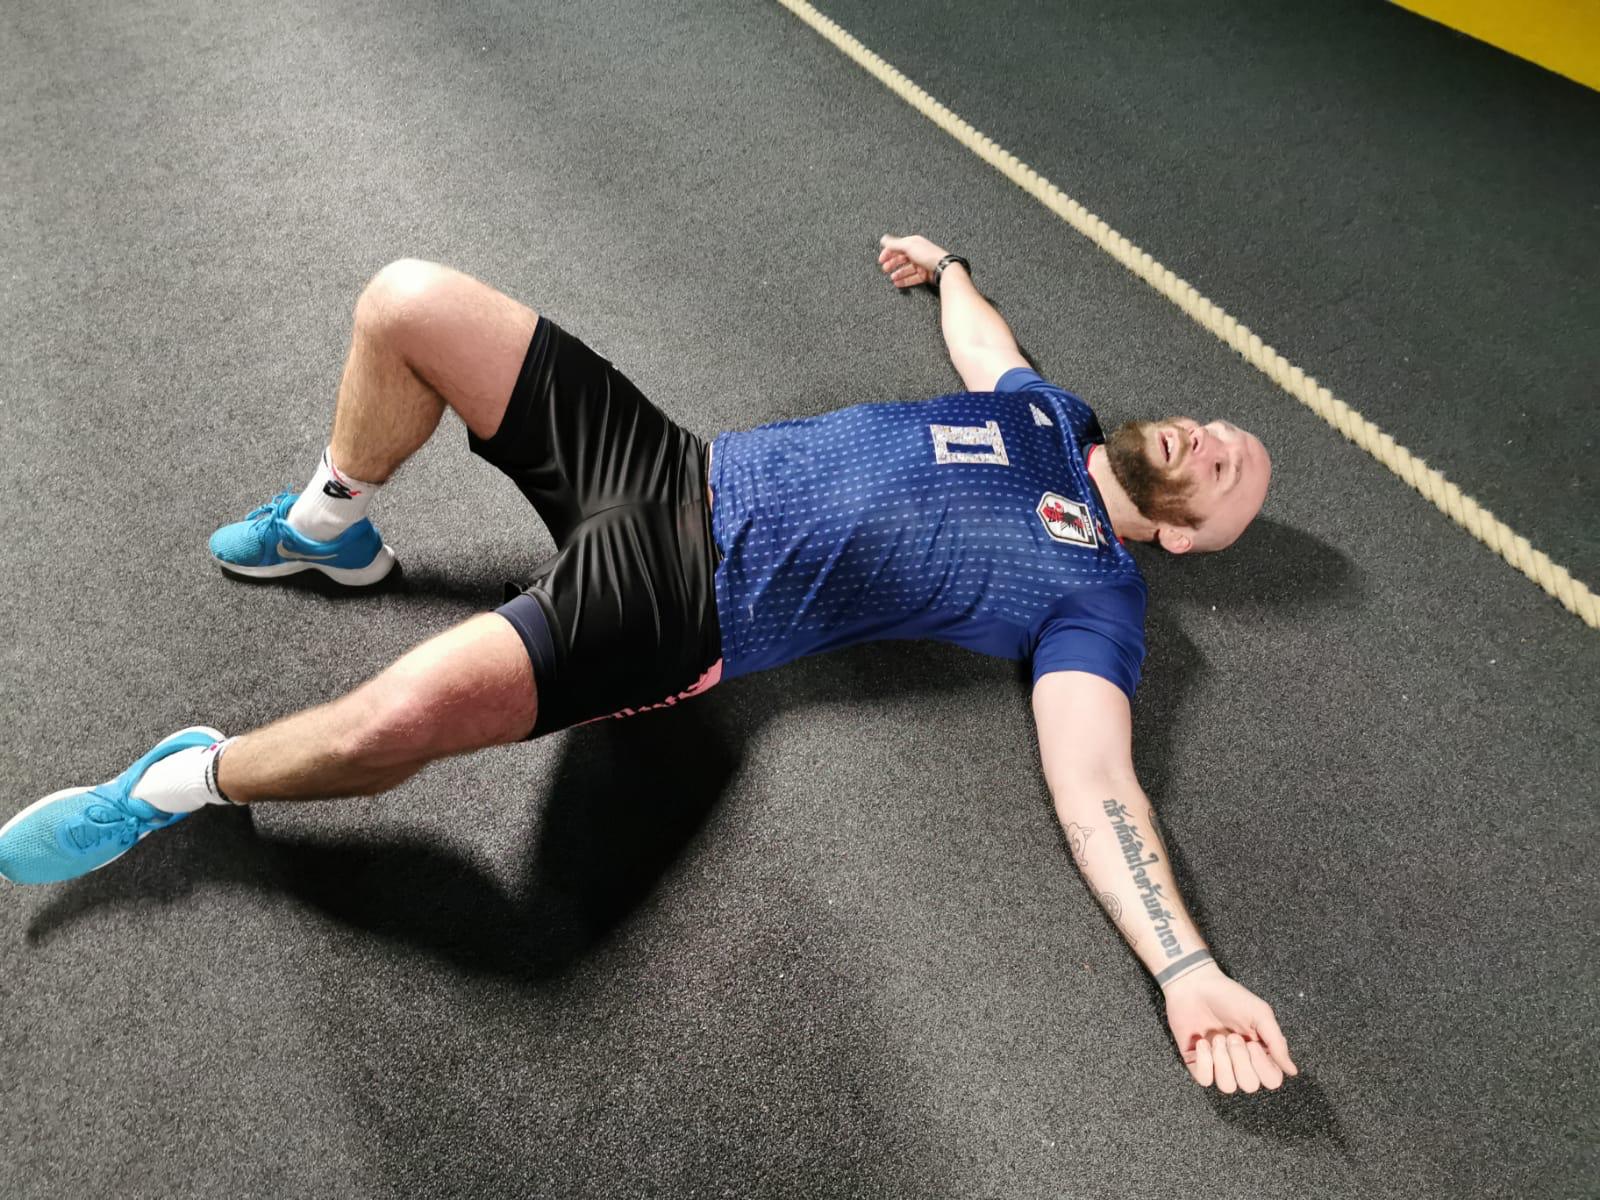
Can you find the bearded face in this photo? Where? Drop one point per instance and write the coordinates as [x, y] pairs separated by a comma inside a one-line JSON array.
[[1159, 492]]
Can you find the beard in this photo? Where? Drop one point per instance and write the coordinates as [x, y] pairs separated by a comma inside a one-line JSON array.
[[1162, 496]]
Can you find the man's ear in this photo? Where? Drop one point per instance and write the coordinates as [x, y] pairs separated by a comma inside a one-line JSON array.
[[1175, 539]]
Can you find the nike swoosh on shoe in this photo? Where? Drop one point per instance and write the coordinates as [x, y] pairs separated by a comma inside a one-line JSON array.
[[285, 552]]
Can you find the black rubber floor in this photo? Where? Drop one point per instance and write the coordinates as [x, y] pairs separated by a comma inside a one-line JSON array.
[[815, 934]]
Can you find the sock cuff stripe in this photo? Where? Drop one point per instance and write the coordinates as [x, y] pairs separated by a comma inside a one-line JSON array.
[[211, 769], [342, 476]]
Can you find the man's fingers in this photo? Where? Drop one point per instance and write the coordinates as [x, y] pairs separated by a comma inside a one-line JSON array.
[[1198, 1061], [897, 265], [1243, 1070], [1267, 1027], [1233, 1064], [1223, 1063], [1266, 1070]]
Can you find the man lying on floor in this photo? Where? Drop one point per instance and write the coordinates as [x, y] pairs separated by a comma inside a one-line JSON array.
[[994, 519]]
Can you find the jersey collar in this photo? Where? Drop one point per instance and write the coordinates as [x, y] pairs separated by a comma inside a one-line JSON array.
[[1087, 459]]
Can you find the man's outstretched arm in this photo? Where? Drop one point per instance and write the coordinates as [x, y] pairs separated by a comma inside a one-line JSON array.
[[1224, 1032], [979, 340]]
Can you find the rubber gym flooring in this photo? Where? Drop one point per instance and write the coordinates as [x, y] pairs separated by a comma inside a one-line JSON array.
[[816, 934]]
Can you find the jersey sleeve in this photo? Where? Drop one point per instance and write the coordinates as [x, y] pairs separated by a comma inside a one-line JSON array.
[[1085, 424], [1022, 379], [1098, 630]]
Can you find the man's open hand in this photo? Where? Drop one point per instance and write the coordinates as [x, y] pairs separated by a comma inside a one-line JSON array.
[[908, 261], [1226, 1033]]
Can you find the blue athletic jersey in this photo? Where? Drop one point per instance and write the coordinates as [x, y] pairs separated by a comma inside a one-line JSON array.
[[968, 518]]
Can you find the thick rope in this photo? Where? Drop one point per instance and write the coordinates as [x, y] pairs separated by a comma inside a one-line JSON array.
[[1459, 507]]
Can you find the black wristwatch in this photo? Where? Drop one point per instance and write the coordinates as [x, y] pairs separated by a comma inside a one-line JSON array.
[[945, 262]]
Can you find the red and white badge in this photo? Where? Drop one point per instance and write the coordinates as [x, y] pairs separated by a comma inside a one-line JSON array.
[[1067, 520]]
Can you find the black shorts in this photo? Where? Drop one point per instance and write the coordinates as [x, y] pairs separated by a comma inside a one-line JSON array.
[[623, 617]]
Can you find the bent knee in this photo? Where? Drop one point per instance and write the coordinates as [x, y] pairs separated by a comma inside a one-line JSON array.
[[399, 293]]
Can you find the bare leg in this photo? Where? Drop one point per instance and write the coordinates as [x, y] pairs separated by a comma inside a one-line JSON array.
[[426, 337], [468, 688]]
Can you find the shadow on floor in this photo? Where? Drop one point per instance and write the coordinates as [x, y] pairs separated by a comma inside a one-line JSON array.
[[627, 797], [618, 810]]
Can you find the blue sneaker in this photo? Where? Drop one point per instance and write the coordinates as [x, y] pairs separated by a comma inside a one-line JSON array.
[[264, 546], [73, 832]]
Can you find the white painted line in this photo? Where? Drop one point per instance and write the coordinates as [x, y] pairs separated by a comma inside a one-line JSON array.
[[1459, 507]]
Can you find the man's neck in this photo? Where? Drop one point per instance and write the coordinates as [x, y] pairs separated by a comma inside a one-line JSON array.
[[1127, 522]]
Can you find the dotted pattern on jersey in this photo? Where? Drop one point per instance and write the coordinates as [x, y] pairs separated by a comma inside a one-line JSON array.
[[845, 527]]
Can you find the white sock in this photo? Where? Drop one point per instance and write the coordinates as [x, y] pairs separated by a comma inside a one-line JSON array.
[[331, 503], [183, 782]]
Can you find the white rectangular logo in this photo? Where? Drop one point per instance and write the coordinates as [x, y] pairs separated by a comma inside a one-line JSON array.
[[987, 434]]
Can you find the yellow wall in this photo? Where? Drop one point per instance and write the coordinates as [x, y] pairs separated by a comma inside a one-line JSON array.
[[1561, 35]]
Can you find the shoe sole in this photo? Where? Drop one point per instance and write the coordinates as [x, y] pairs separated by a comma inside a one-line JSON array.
[[78, 791], [380, 566]]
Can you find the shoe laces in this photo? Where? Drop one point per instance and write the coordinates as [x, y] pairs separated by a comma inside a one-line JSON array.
[[115, 819], [268, 512]]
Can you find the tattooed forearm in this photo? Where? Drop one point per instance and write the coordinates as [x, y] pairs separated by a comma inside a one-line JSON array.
[[1077, 837], [1156, 829], [1150, 892], [1113, 908]]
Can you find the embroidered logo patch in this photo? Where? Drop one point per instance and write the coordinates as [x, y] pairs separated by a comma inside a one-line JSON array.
[[1038, 416], [1067, 520]]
